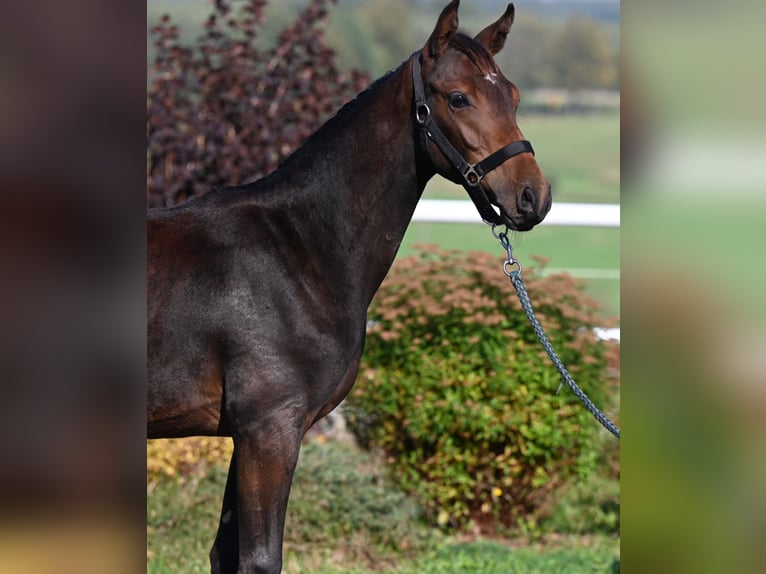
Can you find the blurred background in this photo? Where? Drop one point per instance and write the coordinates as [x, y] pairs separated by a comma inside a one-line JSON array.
[[691, 168], [693, 363]]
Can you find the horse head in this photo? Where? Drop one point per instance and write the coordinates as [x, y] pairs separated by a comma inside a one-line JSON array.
[[474, 105]]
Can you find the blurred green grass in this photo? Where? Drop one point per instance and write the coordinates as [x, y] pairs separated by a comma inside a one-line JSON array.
[[712, 241]]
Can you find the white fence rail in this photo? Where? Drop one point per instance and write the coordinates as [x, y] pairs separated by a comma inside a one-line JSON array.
[[572, 214], [575, 214]]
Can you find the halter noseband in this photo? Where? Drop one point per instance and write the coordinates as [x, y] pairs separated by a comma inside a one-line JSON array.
[[472, 173]]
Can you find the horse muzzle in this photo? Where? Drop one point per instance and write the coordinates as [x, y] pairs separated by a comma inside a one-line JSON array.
[[529, 206]]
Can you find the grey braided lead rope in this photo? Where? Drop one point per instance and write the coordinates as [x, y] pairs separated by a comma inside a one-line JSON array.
[[518, 283]]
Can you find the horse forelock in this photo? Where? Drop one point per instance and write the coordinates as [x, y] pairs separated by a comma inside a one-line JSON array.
[[475, 52]]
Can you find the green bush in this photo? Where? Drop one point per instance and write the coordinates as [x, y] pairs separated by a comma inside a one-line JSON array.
[[456, 390]]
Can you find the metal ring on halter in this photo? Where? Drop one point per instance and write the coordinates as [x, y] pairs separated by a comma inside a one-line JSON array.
[[500, 235], [426, 112]]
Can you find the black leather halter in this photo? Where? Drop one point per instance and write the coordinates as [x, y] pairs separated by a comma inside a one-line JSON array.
[[472, 173]]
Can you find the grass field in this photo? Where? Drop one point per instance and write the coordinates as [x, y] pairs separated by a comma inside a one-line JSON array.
[[339, 503]]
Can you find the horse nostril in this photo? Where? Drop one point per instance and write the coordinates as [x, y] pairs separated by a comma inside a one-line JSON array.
[[526, 201]]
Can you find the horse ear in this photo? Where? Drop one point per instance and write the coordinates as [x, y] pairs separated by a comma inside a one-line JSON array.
[[493, 36], [445, 28]]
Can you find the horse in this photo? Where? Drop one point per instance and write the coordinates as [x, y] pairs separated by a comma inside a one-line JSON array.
[[258, 294]]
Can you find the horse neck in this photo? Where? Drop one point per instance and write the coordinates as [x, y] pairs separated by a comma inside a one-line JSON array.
[[361, 177]]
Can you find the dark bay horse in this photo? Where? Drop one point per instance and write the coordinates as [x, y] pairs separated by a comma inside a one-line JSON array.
[[258, 294]]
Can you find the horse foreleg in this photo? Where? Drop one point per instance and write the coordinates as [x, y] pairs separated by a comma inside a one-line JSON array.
[[225, 552], [265, 460]]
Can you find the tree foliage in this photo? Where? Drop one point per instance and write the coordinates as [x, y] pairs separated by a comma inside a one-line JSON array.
[[582, 56], [226, 110], [526, 56]]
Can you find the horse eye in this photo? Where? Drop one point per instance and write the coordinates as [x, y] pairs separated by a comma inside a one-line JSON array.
[[458, 100]]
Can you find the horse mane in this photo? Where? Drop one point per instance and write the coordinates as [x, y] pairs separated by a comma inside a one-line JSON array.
[[319, 137], [360, 97], [314, 142]]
